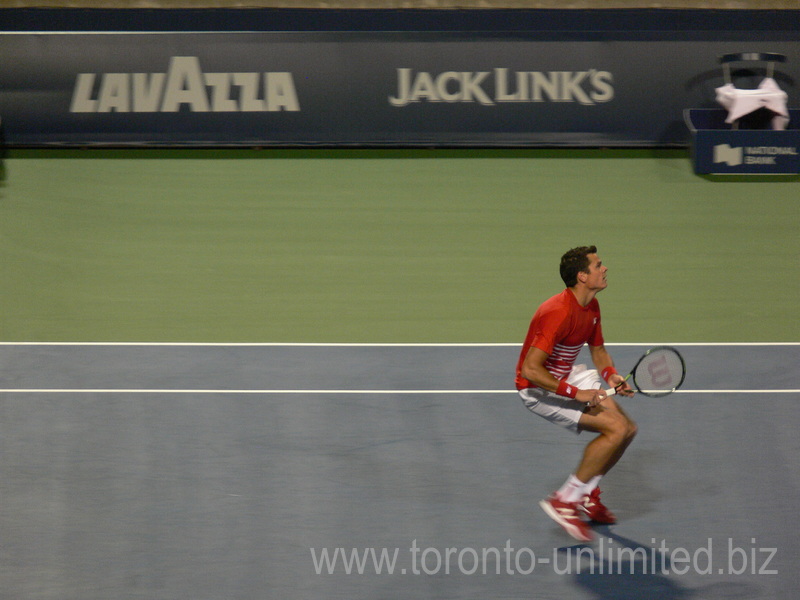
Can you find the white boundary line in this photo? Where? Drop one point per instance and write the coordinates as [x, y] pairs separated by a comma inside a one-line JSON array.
[[335, 392], [373, 345], [141, 32], [347, 345]]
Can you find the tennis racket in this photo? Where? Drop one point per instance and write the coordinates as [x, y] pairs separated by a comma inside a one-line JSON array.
[[660, 371]]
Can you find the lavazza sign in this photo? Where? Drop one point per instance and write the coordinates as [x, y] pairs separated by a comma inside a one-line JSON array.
[[184, 83]]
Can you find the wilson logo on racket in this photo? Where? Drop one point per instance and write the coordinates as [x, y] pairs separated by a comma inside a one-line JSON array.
[[660, 374]]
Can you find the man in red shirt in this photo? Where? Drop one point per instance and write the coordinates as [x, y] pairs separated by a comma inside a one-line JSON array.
[[570, 395]]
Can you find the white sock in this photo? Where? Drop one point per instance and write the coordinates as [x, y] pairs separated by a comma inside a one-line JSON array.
[[591, 484], [572, 490]]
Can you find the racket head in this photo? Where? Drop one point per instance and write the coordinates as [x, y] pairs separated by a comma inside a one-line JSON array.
[[660, 371]]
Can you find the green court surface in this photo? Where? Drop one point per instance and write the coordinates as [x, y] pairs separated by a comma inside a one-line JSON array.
[[386, 246]]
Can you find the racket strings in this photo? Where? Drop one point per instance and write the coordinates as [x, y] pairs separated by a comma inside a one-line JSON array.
[[660, 372]]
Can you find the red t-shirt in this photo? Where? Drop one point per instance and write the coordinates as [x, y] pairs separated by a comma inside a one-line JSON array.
[[560, 328]]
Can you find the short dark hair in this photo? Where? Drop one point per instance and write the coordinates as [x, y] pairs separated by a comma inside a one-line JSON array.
[[575, 261]]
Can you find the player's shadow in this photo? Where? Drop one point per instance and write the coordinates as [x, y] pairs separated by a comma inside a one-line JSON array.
[[627, 570], [624, 569]]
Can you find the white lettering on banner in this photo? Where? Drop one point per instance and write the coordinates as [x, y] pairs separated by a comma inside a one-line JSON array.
[[585, 87], [751, 155], [184, 84], [771, 150]]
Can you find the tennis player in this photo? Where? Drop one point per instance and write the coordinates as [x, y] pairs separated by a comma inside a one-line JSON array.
[[570, 395]]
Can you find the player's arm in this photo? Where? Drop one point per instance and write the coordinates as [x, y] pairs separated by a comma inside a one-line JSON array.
[[605, 366], [533, 370]]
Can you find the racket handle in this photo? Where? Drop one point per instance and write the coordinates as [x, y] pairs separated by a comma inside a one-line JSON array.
[[613, 390]]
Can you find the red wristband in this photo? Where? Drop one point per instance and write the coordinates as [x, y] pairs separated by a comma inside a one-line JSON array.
[[565, 389], [608, 372]]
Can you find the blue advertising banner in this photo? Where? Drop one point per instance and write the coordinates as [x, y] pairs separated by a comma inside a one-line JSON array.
[[720, 150], [351, 88]]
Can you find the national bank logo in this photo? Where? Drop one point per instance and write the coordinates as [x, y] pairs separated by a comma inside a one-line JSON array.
[[734, 156], [723, 153], [184, 86], [502, 85]]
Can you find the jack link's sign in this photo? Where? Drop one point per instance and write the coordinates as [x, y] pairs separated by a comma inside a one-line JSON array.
[[349, 88], [522, 86]]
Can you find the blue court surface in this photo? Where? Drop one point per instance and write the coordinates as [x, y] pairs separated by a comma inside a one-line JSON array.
[[381, 471]]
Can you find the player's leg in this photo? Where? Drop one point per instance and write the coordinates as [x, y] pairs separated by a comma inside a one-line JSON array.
[[616, 431], [580, 494], [565, 413]]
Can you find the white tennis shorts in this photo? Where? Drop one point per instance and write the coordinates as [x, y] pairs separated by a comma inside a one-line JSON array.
[[559, 409]]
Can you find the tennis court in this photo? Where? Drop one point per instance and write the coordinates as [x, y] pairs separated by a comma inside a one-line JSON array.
[[219, 368], [226, 471]]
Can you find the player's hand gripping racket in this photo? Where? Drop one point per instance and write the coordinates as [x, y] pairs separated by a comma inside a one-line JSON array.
[[660, 371]]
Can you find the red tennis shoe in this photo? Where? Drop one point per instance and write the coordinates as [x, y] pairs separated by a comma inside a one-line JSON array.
[[596, 510], [566, 515]]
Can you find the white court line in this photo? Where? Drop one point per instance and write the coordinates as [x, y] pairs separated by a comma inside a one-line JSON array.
[[356, 345], [341, 392], [374, 345], [147, 32]]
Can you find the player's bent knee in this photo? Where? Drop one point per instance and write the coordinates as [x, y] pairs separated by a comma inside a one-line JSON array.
[[633, 429], [623, 424], [623, 429], [610, 423]]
